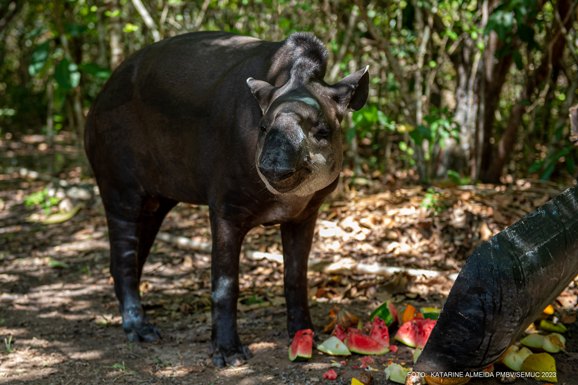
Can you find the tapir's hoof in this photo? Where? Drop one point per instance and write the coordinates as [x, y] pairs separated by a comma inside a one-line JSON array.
[[147, 332], [236, 358], [137, 327]]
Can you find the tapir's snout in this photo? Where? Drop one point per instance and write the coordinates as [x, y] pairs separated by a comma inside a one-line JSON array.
[[282, 161]]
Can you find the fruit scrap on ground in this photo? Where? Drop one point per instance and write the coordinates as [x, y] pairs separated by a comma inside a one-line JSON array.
[[387, 312], [430, 312], [341, 317], [301, 347], [360, 343], [334, 347], [365, 362], [551, 326], [330, 375], [409, 313], [549, 310], [416, 332], [533, 355], [379, 332], [515, 356], [543, 365], [552, 343], [396, 373]]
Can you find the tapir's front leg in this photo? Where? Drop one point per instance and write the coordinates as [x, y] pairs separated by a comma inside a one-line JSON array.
[[226, 345], [297, 238]]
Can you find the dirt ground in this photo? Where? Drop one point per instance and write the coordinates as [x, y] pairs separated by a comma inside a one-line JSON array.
[[59, 321]]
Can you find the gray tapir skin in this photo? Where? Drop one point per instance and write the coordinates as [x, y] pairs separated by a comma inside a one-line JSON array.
[[245, 126]]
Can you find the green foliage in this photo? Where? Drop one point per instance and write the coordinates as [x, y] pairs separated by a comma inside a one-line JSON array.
[[254, 299], [432, 201], [60, 53], [56, 264], [438, 126], [43, 199], [372, 127], [458, 179], [9, 344], [545, 167], [368, 121], [120, 366], [430, 138]]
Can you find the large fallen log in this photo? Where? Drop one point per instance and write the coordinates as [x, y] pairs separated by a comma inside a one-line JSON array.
[[504, 286]]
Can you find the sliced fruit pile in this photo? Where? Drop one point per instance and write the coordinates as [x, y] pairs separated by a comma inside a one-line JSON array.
[[350, 335], [533, 352]]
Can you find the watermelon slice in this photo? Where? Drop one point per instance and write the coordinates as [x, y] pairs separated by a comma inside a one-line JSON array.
[[360, 343], [379, 331], [301, 347], [416, 332], [387, 312], [339, 333], [334, 346]]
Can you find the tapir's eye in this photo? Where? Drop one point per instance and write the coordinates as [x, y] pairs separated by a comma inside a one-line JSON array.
[[262, 127], [322, 132]]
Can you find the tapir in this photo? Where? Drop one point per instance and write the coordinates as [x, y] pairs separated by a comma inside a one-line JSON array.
[[249, 128]]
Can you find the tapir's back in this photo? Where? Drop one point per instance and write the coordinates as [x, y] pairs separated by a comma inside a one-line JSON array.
[[187, 71], [182, 75], [168, 108]]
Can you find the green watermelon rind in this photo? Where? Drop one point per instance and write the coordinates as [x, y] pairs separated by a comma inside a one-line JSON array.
[[411, 333], [334, 347], [387, 312], [301, 348]]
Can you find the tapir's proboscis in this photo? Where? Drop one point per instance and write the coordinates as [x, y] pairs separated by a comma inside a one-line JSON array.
[[245, 126]]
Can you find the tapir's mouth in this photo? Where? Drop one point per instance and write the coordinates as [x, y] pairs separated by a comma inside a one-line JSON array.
[[291, 182]]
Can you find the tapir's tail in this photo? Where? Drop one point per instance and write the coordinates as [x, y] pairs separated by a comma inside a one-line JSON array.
[[504, 286]]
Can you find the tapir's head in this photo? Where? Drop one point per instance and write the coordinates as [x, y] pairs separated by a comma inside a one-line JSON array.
[[299, 150]]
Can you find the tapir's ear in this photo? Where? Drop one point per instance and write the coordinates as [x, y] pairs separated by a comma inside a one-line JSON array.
[[351, 92], [262, 91]]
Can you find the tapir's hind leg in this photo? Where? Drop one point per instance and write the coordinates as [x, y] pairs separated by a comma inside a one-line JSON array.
[[130, 243]]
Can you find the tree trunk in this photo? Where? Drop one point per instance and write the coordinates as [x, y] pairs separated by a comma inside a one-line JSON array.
[[551, 57], [458, 154], [115, 36], [494, 77]]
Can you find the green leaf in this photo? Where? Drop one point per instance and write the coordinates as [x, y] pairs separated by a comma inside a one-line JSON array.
[[53, 263], [39, 58], [501, 22], [95, 70], [66, 74]]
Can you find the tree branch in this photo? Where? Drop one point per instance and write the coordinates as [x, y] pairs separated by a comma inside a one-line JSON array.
[[399, 74], [147, 18]]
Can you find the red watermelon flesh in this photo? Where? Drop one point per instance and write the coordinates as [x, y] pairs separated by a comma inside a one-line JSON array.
[[427, 326], [379, 331], [339, 333], [302, 345], [415, 333], [360, 343]]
